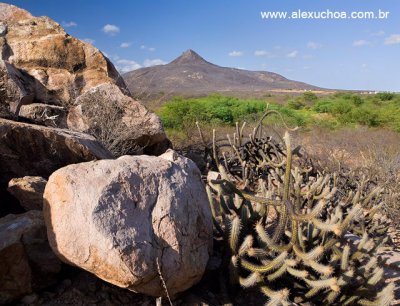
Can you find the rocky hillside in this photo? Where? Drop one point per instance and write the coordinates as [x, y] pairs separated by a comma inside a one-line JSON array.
[[190, 74], [49, 77]]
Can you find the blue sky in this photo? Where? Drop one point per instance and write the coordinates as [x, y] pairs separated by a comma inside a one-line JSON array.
[[345, 54]]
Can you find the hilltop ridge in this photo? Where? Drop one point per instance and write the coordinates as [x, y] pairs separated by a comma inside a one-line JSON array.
[[191, 74]]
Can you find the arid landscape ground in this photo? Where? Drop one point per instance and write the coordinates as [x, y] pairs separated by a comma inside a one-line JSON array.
[[188, 183]]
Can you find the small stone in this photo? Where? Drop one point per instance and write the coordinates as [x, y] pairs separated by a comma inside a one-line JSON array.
[[212, 176]]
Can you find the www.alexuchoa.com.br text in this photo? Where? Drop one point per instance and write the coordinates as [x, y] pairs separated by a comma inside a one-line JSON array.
[[327, 14]]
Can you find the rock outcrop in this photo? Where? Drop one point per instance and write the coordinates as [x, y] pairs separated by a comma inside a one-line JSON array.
[[29, 191], [33, 150], [41, 63], [120, 119], [44, 114], [62, 66], [27, 262], [134, 218]]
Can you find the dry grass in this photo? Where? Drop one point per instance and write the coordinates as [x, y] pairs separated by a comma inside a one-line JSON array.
[[371, 153]]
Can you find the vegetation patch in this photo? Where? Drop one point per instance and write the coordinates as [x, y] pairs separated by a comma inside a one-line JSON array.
[[307, 110]]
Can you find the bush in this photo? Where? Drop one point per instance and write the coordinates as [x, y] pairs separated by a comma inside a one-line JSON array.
[[323, 106], [296, 104], [357, 100], [341, 107], [365, 116], [309, 96], [386, 96]]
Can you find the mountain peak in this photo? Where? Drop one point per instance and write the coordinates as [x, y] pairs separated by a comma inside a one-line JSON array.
[[189, 57]]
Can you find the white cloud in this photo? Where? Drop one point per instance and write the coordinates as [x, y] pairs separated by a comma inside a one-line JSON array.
[[313, 45], [124, 65], [262, 53], [360, 43], [364, 66], [89, 40], [379, 33], [153, 62], [69, 24], [293, 54], [151, 49], [393, 39], [110, 29], [125, 45], [235, 53]]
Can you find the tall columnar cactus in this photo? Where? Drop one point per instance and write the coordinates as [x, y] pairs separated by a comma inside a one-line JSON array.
[[299, 235]]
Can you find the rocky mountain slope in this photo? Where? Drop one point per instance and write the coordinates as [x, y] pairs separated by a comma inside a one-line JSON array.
[[190, 74]]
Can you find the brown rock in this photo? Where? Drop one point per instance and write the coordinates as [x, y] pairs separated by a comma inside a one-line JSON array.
[[63, 66], [33, 150], [26, 259], [105, 107], [44, 114], [29, 191], [129, 214], [55, 68], [14, 84], [10, 12]]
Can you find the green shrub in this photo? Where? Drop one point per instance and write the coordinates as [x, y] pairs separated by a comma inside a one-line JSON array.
[[341, 107], [309, 96], [386, 96], [357, 100], [365, 116], [296, 104], [323, 106]]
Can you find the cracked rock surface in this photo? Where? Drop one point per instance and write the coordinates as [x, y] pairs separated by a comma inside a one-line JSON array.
[[122, 219]]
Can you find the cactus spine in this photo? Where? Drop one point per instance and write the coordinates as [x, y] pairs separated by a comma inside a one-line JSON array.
[[287, 225]]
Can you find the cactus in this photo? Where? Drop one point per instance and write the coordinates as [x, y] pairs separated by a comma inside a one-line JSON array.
[[287, 226]]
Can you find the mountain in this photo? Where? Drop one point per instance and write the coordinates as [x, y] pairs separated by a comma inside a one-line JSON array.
[[190, 74]]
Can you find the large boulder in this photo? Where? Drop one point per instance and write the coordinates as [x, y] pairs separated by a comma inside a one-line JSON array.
[[29, 191], [63, 66], [44, 64], [107, 108], [27, 262], [33, 150], [135, 218]]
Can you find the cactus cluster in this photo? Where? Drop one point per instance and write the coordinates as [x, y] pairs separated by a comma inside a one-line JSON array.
[[298, 234]]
